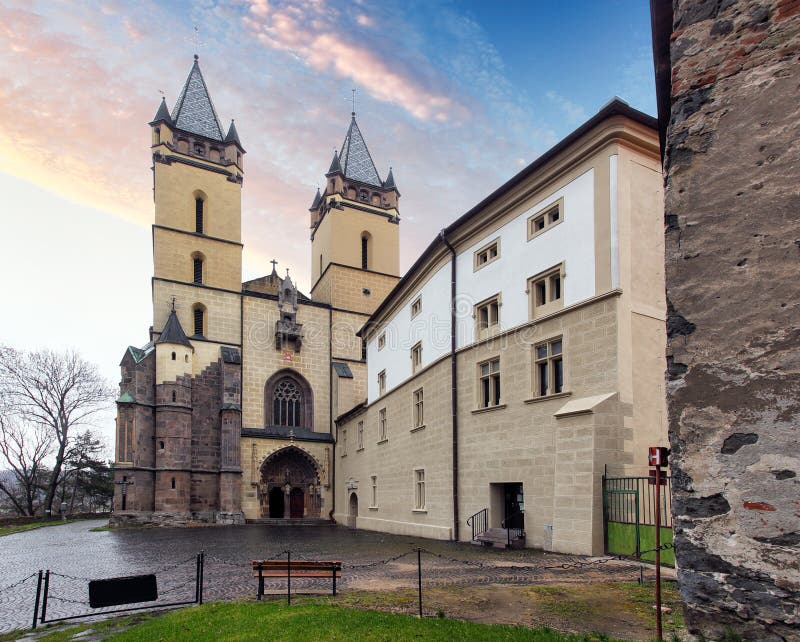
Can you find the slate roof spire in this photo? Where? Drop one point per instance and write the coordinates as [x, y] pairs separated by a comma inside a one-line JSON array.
[[389, 182], [232, 136], [355, 159], [316, 202], [162, 113], [173, 332], [194, 112], [336, 166]]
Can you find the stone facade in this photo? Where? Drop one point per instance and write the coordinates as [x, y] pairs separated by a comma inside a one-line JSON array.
[[732, 246], [231, 418], [550, 449]]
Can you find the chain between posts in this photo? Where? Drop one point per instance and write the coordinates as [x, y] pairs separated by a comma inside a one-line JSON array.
[[18, 583]]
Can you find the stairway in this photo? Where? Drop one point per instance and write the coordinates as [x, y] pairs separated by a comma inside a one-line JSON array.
[[498, 538], [298, 521]]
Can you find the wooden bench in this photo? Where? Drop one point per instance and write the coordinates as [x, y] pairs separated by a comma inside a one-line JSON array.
[[289, 568]]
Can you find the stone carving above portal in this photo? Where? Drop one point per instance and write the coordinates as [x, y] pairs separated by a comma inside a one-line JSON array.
[[287, 330]]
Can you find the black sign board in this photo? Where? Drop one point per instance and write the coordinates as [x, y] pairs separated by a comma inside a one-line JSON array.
[[122, 590]]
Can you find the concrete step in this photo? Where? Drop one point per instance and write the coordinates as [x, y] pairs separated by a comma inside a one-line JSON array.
[[497, 538], [298, 521]]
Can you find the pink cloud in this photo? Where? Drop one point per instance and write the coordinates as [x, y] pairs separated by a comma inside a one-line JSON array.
[[316, 38]]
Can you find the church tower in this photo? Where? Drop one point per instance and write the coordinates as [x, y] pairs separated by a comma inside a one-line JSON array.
[[179, 411], [355, 246], [355, 256]]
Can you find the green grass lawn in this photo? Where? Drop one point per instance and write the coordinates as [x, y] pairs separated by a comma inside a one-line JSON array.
[[242, 621], [20, 528]]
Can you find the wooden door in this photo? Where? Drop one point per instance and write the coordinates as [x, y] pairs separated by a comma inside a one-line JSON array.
[[296, 503]]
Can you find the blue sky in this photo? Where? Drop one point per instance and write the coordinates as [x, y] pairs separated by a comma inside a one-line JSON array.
[[455, 96]]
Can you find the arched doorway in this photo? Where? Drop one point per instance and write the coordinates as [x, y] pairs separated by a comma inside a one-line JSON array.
[[352, 513], [290, 487]]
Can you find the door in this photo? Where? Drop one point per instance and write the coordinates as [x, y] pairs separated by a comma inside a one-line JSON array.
[[296, 503], [352, 514], [276, 505], [514, 505]]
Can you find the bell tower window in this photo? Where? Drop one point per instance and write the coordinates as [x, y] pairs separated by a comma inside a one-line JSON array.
[[365, 250], [199, 319], [199, 206], [197, 268]]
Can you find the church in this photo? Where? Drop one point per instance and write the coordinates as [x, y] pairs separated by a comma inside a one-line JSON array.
[[493, 383]]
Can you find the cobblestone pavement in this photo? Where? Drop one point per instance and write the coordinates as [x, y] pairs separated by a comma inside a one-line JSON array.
[[372, 561]]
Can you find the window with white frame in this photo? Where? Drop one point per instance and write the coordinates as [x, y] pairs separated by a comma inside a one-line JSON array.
[[374, 483], [489, 383], [419, 414], [382, 425], [381, 341], [548, 368], [419, 489], [360, 435], [416, 356]]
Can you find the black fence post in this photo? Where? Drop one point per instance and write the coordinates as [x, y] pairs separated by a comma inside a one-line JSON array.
[[288, 577], [46, 589], [197, 580], [202, 573], [260, 579], [38, 597], [419, 578], [333, 572]]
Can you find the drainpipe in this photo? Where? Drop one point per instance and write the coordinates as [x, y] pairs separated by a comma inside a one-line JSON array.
[[330, 414], [453, 379]]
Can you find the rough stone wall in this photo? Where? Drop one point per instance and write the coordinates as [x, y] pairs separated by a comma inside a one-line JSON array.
[[733, 252]]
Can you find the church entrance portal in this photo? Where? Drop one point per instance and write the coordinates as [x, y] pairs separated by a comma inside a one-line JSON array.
[[290, 487], [276, 502]]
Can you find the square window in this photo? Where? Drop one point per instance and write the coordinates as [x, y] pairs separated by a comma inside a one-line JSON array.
[[487, 316], [487, 254], [543, 220], [416, 307], [382, 341], [546, 291]]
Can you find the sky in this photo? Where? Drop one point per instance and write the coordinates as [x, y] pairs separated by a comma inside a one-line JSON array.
[[456, 97]]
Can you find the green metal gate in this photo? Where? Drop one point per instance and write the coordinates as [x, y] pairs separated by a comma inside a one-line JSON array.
[[629, 517]]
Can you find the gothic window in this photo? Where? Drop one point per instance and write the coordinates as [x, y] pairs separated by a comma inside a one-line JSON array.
[[199, 205], [197, 269], [364, 251], [287, 401]]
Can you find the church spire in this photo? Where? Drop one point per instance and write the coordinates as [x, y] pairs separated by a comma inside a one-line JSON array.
[[162, 114], [355, 158], [193, 111]]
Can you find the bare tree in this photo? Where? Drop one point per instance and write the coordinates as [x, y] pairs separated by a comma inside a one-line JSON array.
[[55, 390], [24, 451]]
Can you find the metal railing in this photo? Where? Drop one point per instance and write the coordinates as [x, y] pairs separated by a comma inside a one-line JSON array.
[[514, 525], [479, 522]]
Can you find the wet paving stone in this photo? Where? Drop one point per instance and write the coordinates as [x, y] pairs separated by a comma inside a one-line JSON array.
[[372, 561]]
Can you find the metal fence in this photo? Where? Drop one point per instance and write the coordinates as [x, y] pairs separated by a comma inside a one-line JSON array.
[[632, 500]]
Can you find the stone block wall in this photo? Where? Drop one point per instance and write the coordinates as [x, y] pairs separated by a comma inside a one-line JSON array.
[[733, 251]]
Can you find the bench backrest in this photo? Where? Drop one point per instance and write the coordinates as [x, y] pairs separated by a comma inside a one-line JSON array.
[[300, 565]]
